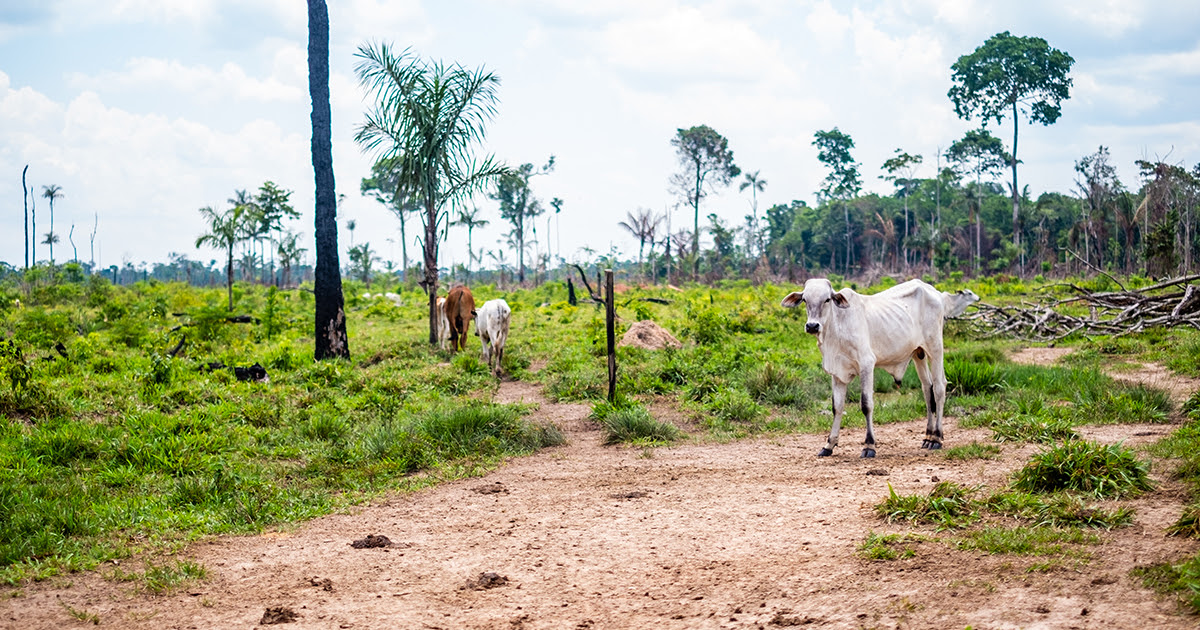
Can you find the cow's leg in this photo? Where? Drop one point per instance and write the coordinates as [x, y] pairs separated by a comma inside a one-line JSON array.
[[867, 401], [933, 426], [928, 393], [483, 342], [839, 406]]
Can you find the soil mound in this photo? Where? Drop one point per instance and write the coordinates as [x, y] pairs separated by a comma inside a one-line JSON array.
[[650, 336]]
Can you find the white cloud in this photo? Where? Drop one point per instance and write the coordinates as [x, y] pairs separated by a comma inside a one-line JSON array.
[[1111, 18], [228, 82], [685, 43]]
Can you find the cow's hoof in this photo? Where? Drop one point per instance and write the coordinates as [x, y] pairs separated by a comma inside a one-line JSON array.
[[825, 452], [868, 452], [931, 445]]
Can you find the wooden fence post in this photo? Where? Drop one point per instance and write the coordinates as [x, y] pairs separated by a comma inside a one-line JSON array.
[[610, 322]]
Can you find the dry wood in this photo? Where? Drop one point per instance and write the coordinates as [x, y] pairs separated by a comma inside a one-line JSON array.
[[1114, 313]]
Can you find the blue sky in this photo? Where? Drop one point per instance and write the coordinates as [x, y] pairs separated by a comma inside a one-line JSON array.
[[144, 111]]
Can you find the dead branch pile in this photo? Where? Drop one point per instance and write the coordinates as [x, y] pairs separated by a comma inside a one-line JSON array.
[[1163, 305]]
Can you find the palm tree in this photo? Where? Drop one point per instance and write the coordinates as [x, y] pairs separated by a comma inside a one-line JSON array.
[[224, 233], [428, 117], [50, 239], [470, 220], [756, 185], [351, 224], [643, 225], [361, 258], [289, 251], [330, 320], [51, 192]]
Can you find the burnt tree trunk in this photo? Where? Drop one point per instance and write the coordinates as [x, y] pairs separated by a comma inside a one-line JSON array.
[[330, 321]]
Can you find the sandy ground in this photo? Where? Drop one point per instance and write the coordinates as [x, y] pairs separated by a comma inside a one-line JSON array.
[[753, 534]]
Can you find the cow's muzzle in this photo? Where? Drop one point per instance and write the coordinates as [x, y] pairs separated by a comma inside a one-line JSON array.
[[812, 328]]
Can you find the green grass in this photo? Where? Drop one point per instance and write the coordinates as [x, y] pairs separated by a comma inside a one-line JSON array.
[[890, 546], [633, 424], [1181, 580], [1027, 541], [1099, 470], [161, 579], [947, 506], [123, 451], [974, 450]]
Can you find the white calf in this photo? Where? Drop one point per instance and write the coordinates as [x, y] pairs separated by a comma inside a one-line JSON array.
[[443, 323], [492, 324], [857, 333]]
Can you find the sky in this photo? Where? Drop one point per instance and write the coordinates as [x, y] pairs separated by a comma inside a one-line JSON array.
[[144, 111]]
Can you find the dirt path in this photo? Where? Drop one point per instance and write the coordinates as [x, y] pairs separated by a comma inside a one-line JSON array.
[[752, 534]]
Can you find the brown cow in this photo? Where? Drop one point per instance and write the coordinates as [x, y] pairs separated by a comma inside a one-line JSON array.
[[460, 310]]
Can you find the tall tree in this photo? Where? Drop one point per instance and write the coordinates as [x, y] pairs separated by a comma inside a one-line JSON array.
[[705, 163], [330, 316], [756, 185], [980, 153], [903, 164], [1007, 75], [1100, 188], [470, 219], [25, 203], [430, 117], [92, 240], [274, 205], [843, 181], [224, 233], [52, 192], [518, 205]]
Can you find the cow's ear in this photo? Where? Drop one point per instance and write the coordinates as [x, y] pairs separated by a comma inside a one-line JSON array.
[[840, 300], [962, 291], [793, 299]]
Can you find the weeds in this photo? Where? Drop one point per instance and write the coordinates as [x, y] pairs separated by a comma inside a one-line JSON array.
[[890, 546], [634, 424], [1096, 469]]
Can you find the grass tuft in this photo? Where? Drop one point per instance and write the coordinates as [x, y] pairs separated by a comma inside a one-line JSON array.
[[1100, 470]]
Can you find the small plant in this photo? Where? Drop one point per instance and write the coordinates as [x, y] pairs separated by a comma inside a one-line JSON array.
[[948, 506], [734, 406], [1100, 470], [890, 546], [635, 424], [1050, 427], [1181, 580], [81, 615], [705, 324], [774, 385]]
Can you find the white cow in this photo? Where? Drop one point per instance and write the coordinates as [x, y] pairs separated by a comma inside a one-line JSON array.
[[858, 333], [443, 329], [492, 324], [958, 302]]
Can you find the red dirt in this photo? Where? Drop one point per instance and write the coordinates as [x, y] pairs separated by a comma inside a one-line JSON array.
[[751, 534]]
